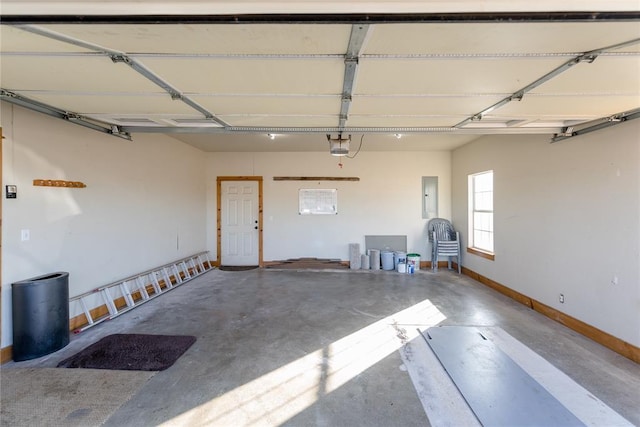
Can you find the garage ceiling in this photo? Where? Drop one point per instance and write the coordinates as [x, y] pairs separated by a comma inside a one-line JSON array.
[[223, 82]]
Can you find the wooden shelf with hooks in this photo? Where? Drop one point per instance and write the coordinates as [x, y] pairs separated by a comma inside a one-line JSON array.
[[316, 178]]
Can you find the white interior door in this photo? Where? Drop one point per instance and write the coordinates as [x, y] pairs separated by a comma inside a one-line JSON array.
[[239, 228]]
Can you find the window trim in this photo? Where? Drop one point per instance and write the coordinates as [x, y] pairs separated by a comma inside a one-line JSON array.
[[484, 253]]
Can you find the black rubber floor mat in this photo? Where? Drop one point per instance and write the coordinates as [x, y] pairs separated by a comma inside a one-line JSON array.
[[237, 267], [131, 352]]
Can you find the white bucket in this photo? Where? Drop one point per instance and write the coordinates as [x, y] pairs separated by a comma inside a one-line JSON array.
[[387, 260], [402, 267], [400, 257], [414, 259]]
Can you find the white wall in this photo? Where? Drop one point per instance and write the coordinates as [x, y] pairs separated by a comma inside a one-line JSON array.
[[567, 214], [386, 201], [144, 204], [567, 220]]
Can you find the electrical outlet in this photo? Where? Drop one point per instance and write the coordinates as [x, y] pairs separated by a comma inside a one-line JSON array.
[[561, 298], [25, 235]]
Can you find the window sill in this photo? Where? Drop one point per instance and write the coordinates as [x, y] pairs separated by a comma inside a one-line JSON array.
[[481, 253]]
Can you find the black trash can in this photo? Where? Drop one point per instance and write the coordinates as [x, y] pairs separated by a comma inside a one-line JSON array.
[[40, 315]]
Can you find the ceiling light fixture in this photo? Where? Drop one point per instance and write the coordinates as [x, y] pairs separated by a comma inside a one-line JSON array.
[[339, 146], [398, 135], [271, 136]]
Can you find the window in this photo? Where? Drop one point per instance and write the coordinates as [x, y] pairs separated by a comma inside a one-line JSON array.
[[481, 213]]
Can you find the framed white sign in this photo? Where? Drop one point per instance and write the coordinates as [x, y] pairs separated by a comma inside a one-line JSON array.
[[314, 201]]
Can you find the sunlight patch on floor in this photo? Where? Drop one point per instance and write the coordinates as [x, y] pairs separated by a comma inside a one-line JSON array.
[[283, 393]]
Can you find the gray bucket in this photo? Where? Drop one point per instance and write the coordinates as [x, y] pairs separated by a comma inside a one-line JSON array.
[[374, 259], [387, 260]]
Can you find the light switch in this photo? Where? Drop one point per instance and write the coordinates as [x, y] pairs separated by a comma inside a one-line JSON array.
[[25, 235]]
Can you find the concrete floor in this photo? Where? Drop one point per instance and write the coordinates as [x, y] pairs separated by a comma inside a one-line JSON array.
[[286, 348]]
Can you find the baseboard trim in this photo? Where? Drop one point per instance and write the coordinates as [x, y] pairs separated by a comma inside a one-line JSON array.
[[6, 354], [624, 348], [515, 295], [426, 265], [621, 347]]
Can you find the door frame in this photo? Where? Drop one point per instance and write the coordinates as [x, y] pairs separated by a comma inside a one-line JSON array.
[[219, 181]]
